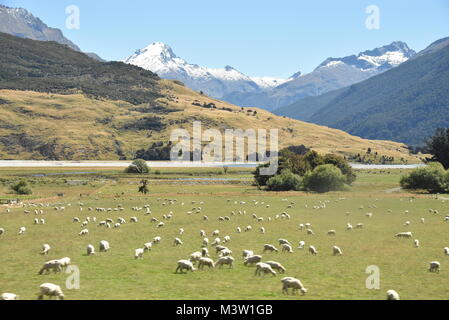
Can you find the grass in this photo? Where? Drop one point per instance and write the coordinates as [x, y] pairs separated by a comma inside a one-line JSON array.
[[116, 275]]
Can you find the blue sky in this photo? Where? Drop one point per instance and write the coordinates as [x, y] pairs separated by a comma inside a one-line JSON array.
[[259, 38]]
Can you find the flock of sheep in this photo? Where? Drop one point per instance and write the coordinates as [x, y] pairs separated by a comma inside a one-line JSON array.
[[200, 259]]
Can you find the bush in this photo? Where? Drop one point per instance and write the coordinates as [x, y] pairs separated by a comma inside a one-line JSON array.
[[138, 166], [284, 181], [432, 178], [341, 164], [324, 178], [22, 187]]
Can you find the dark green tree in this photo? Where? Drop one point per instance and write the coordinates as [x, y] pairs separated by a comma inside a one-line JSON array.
[[438, 147], [143, 188]]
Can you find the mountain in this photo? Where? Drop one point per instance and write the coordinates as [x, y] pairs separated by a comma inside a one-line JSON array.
[[21, 23], [57, 103], [404, 104], [331, 74]]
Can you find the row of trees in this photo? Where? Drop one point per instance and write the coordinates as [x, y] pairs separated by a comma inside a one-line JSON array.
[[309, 171]]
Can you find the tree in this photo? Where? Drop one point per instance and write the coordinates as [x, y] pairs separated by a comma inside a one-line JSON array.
[[284, 181], [143, 188], [432, 178], [138, 166], [22, 187], [341, 164], [324, 178], [438, 147]]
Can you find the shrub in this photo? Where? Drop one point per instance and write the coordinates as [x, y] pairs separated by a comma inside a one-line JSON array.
[[432, 178], [22, 187], [341, 164], [284, 181], [138, 166], [324, 178]]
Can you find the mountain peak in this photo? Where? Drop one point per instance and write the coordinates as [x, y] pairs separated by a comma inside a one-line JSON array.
[[159, 50]]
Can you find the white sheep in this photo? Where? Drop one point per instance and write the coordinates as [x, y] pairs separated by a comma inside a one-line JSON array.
[[51, 290], [287, 248], [276, 266], [310, 232], [263, 268], [22, 230], [45, 248], [160, 224], [269, 247], [181, 231], [331, 233], [54, 265], [66, 261], [138, 253], [225, 252], [205, 262], [349, 226], [252, 259], [248, 228], [337, 251], [403, 235], [83, 232], [185, 265], [133, 220], [295, 284], [359, 226], [301, 244], [9, 296], [2, 231], [195, 257], [434, 266], [392, 295], [239, 230], [177, 242], [225, 260], [416, 243], [90, 250], [147, 246], [312, 250], [104, 246], [226, 239], [157, 239], [284, 241], [247, 253], [446, 250], [215, 233], [262, 230]]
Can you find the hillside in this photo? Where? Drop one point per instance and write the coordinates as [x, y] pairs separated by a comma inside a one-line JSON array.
[[404, 104], [67, 106]]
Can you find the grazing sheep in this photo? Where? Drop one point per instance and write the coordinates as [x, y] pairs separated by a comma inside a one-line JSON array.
[[160, 224], [195, 257], [359, 226], [301, 244], [423, 220], [269, 247], [54, 265], [310, 232], [392, 295], [349, 226], [225, 260], [287, 248], [276, 266], [90, 250], [83, 232], [202, 233], [225, 252], [9, 296], [104, 246], [36, 221], [2, 231], [205, 262], [295, 284], [185, 265], [252, 259], [138, 253], [22, 230], [248, 228], [219, 248], [215, 233], [177, 242], [434, 266], [446, 250], [205, 242], [51, 290], [331, 233], [336, 251], [265, 268], [181, 231], [157, 239], [133, 220], [284, 241], [416, 242], [45, 249], [239, 230], [226, 239], [403, 235], [312, 250], [66, 261], [406, 223], [262, 230], [204, 252], [247, 253], [147, 246]]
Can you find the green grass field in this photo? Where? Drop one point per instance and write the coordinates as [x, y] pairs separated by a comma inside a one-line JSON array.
[[117, 275]]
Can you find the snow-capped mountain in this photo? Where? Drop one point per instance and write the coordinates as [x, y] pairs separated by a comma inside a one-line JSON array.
[[331, 74], [160, 58]]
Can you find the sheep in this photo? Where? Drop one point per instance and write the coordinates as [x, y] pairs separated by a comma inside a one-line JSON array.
[[331, 233], [349, 226], [205, 262], [406, 223], [42, 221], [252, 259], [51, 290], [225, 260], [90, 250], [160, 224], [225, 252], [262, 230], [416, 243], [215, 233], [133, 220], [36, 221], [205, 242], [45, 249], [219, 248], [204, 252], [403, 235], [312, 250], [185, 265], [66, 261], [265, 268], [54, 265], [269, 247], [337, 251], [295, 284], [157, 239], [284, 241], [434, 266], [138, 253], [147, 246], [226, 239], [310, 232], [9, 296], [392, 295], [181, 231], [276, 266], [202, 233], [2, 231], [247, 253], [446, 250], [216, 242], [195, 257], [83, 232], [104, 246], [239, 230], [423, 220], [22, 230], [286, 247], [369, 214], [248, 228], [177, 242], [359, 226]]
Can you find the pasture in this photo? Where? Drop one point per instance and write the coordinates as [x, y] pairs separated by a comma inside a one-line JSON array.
[[117, 275]]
